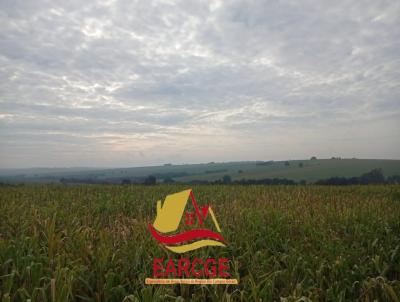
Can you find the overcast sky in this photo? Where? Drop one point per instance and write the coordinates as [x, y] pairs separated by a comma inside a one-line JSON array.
[[131, 83]]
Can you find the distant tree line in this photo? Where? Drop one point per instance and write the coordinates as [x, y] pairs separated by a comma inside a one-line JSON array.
[[84, 180], [374, 176], [226, 179]]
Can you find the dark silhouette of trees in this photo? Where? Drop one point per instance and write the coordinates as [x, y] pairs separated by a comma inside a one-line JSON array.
[[226, 179], [150, 180], [375, 176], [126, 181]]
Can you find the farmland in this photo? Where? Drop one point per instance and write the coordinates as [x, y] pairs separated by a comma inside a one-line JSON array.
[[297, 170], [288, 243]]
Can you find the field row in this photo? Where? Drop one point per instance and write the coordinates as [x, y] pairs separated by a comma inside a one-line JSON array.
[[91, 243]]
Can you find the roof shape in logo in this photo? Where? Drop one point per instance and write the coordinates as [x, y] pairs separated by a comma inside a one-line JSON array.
[[169, 216]]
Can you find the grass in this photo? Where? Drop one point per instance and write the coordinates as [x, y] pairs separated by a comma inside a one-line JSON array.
[[295, 243]]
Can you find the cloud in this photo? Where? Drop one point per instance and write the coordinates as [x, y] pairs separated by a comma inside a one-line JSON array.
[[122, 83]]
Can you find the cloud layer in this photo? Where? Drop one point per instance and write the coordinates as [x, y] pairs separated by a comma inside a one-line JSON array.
[[124, 83]]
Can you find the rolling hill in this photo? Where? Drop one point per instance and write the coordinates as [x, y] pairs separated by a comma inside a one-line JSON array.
[[309, 170]]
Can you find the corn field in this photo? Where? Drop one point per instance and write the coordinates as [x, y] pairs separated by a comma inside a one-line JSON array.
[[285, 243]]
